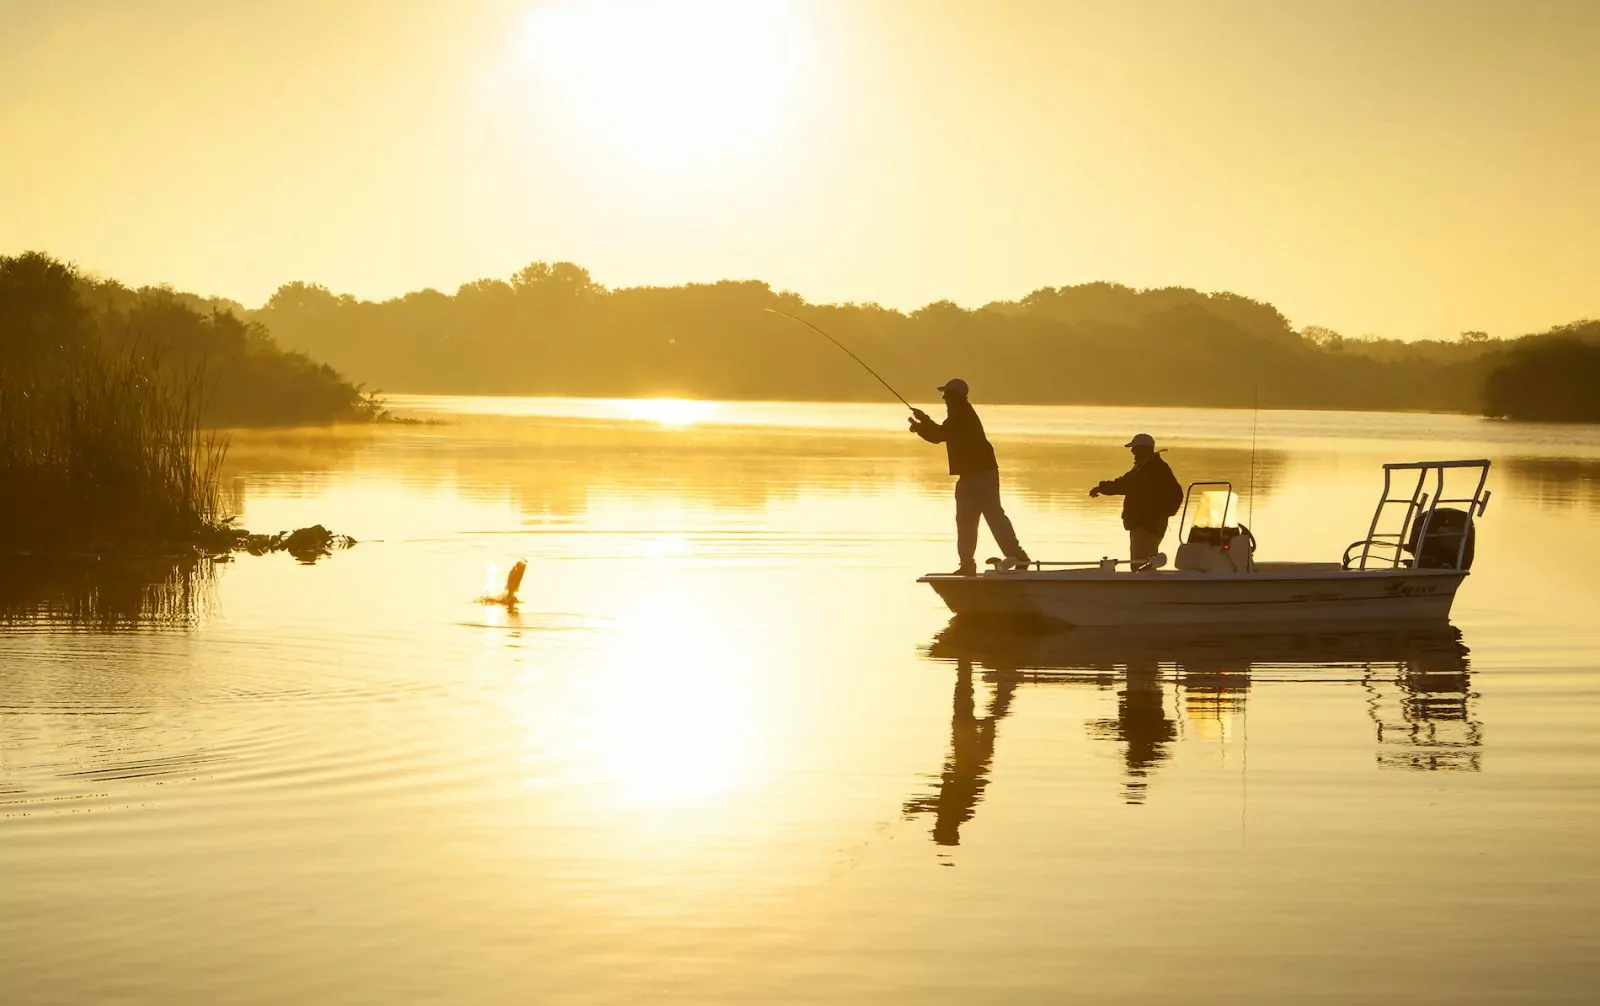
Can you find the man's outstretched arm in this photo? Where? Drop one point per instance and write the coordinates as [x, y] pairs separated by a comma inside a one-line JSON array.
[[1112, 487], [923, 426]]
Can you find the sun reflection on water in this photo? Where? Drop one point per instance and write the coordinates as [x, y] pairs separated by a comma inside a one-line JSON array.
[[675, 412], [672, 729], [665, 705]]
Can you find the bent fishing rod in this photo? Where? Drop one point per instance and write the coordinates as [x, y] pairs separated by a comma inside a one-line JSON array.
[[836, 342]]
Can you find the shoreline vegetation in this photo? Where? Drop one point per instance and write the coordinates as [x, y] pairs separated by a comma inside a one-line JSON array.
[[551, 330], [110, 403]]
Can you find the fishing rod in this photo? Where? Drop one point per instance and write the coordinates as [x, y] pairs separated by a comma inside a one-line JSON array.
[[836, 342]]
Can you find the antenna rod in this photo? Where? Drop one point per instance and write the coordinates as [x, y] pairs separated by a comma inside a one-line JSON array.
[[836, 342], [1255, 420]]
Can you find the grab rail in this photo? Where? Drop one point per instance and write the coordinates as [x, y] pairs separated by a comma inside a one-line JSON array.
[[1420, 506]]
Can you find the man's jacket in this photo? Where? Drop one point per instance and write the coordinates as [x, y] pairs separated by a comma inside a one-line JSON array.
[[962, 435], [1151, 494]]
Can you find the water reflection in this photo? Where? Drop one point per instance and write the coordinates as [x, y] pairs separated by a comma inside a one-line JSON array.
[[557, 467], [106, 594], [1425, 718], [966, 770], [1560, 482], [1415, 679], [1142, 727]]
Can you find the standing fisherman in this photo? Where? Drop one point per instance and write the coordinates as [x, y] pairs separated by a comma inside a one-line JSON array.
[[977, 477], [1151, 495]]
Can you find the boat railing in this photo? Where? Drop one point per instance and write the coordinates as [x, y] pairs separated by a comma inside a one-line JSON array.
[[1107, 563], [1417, 524]]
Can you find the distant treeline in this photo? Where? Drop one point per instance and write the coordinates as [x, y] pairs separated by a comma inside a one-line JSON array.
[[551, 330]]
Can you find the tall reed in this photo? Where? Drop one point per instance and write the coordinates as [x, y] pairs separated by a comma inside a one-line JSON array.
[[102, 445]]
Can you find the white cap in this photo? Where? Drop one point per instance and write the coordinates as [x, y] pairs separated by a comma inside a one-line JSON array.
[[1141, 440]]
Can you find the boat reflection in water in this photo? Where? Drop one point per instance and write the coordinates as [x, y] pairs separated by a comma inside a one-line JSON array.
[[1415, 679]]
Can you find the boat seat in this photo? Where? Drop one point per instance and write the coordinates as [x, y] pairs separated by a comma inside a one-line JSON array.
[[1204, 557]]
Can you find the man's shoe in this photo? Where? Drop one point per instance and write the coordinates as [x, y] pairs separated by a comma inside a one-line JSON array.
[[1149, 564], [966, 571]]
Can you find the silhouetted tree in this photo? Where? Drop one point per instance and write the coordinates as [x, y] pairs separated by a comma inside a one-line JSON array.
[[1549, 377], [48, 312]]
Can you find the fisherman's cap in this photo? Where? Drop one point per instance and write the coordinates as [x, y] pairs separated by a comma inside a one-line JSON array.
[[955, 384], [1141, 440]]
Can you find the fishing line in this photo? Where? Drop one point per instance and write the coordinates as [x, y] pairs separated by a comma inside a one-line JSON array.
[[836, 342]]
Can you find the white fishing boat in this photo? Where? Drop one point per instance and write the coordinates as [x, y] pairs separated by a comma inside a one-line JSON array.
[[1417, 551]]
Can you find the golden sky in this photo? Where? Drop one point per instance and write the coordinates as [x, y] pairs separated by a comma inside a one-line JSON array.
[[1410, 168]]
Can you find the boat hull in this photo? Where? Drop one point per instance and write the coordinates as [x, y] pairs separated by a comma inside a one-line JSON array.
[[1431, 645], [1286, 597]]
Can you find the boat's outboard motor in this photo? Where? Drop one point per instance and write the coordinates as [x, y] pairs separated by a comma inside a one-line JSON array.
[[1440, 533]]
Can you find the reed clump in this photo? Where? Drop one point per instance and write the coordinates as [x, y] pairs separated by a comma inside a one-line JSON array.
[[101, 442], [109, 448]]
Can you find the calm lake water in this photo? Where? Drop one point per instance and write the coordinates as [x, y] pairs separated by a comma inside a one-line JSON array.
[[728, 751]]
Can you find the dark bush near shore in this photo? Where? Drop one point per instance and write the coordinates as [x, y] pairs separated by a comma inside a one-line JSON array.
[[1554, 377]]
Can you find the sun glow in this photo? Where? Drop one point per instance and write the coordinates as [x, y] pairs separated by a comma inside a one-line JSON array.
[[667, 83], [678, 412]]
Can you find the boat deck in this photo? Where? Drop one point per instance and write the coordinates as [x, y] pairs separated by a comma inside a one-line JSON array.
[[1261, 571]]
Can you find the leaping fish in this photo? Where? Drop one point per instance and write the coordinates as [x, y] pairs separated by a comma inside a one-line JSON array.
[[513, 584]]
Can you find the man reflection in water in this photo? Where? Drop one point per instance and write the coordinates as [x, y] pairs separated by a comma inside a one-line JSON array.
[[966, 771], [1151, 495], [1144, 726], [977, 474]]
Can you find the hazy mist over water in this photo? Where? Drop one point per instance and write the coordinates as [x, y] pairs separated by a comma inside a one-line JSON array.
[[727, 750]]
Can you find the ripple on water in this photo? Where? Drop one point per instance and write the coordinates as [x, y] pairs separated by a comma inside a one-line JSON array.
[[90, 726], [534, 621]]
